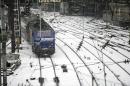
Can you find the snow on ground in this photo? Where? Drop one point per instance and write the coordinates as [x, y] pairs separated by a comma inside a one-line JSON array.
[[22, 76], [87, 62]]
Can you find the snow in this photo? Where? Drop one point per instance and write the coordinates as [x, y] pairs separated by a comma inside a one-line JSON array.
[[69, 33]]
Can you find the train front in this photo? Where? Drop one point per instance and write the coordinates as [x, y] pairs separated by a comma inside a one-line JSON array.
[[44, 42]]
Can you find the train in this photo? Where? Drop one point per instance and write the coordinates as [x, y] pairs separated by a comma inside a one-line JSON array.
[[42, 40]]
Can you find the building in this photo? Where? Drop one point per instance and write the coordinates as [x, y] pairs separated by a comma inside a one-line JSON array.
[[118, 13], [51, 5]]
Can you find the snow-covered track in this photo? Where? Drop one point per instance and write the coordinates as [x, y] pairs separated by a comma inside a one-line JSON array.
[[107, 55], [89, 31], [82, 61], [56, 79], [96, 39], [71, 64]]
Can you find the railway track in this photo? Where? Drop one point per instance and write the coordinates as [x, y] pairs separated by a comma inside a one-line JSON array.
[[107, 56], [41, 79], [98, 59], [96, 39], [114, 43], [113, 60], [91, 28], [92, 22], [71, 64], [110, 31], [92, 75], [56, 79], [110, 57]]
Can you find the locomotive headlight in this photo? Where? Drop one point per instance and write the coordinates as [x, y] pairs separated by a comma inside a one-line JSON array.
[[51, 45]]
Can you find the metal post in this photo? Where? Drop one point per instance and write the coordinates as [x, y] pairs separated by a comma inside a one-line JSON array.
[[0, 40], [4, 39], [0, 61], [129, 34], [4, 62], [54, 8], [11, 24], [19, 22]]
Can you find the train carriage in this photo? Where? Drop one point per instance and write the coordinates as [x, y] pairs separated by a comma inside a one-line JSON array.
[[42, 40]]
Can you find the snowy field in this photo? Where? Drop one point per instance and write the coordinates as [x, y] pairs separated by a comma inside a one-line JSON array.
[[102, 59]]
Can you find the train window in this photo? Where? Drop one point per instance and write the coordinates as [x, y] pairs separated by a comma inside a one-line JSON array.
[[46, 33], [37, 39]]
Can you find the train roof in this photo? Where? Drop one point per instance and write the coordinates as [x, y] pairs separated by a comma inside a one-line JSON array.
[[35, 25]]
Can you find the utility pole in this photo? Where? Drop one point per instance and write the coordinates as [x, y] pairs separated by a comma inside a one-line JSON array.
[[17, 23], [129, 34], [20, 38], [11, 23], [54, 7], [0, 61], [4, 60], [0, 39], [3, 40]]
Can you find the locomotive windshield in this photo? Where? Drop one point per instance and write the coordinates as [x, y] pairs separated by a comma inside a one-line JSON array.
[[45, 34]]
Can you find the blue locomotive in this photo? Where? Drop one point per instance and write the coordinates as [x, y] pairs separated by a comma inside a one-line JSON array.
[[42, 40]]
